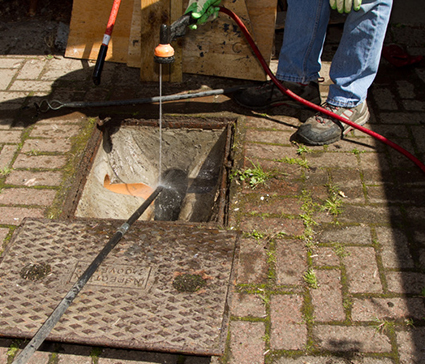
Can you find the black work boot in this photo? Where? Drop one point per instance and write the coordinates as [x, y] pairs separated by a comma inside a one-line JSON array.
[[268, 95]]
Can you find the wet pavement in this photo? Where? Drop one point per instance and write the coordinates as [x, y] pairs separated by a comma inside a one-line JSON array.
[[331, 267]]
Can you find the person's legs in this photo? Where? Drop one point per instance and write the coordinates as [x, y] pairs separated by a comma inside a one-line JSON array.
[[357, 58], [299, 60], [353, 70], [304, 35]]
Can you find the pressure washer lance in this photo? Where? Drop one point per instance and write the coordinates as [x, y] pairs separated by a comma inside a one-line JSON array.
[[164, 52], [56, 315], [46, 105]]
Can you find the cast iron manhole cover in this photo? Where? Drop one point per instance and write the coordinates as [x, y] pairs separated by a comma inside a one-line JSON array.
[[165, 287]]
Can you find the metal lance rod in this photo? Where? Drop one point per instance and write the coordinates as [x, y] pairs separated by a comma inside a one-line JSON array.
[[53, 319]]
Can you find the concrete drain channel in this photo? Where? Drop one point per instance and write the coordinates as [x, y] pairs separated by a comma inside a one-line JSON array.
[[166, 285]]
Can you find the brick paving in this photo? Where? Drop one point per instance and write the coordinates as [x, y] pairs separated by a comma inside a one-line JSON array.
[[331, 267]]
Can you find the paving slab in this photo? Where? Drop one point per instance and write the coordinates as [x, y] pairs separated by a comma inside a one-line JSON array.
[[246, 343], [351, 339], [286, 312]]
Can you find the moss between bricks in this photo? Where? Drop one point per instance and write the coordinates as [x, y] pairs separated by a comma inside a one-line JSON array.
[[95, 353], [78, 145], [12, 229], [332, 205], [53, 359]]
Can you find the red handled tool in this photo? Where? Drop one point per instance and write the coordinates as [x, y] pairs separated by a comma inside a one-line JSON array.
[[106, 38]]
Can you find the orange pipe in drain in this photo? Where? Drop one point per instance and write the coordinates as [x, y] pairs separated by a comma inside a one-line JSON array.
[[132, 189]]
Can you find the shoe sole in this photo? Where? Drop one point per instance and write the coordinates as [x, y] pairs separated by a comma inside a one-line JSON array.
[[362, 121]]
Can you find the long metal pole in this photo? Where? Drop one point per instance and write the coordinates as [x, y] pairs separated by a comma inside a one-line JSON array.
[[53, 319], [106, 38]]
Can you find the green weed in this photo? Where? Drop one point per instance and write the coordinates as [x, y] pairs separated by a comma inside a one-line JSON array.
[[383, 326], [13, 350], [308, 317], [266, 338], [308, 220], [95, 353], [309, 243], [301, 149], [254, 176], [33, 152], [309, 208], [271, 257], [5, 171], [347, 303], [280, 235], [299, 161], [340, 250], [334, 203], [255, 235], [409, 322], [356, 151], [264, 298], [311, 279]]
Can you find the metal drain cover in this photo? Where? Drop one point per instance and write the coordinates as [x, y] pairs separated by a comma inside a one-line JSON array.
[[131, 301]]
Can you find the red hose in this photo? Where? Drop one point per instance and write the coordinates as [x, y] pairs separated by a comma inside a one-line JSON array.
[[310, 104]]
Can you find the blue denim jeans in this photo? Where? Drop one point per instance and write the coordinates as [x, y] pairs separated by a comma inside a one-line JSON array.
[[355, 63]]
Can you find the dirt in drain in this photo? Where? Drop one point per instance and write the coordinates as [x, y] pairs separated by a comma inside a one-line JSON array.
[[189, 282], [35, 271]]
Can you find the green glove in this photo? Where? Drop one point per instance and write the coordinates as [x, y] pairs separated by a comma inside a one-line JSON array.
[[345, 6], [203, 10]]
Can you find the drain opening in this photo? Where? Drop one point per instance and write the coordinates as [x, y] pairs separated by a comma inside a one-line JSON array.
[[125, 170]]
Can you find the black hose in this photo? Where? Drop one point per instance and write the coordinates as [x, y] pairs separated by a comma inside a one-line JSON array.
[[46, 105], [55, 316]]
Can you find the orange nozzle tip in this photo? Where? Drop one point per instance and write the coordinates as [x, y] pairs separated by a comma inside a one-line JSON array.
[[164, 51]]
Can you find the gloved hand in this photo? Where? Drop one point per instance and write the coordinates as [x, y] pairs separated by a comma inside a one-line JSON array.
[[345, 6], [203, 10]]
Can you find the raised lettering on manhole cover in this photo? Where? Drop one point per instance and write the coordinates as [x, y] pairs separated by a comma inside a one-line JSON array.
[[119, 276]]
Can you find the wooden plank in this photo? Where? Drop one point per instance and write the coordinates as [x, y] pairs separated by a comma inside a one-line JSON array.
[[154, 13], [88, 24], [176, 71], [263, 19], [218, 48], [135, 38]]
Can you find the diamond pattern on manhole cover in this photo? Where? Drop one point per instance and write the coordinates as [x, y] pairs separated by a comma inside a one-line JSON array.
[[130, 301]]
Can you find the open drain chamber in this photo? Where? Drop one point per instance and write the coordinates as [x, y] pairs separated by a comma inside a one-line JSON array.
[[128, 165]]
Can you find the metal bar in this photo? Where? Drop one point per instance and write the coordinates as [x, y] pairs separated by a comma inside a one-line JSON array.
[[223, 197], [46, 105]]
